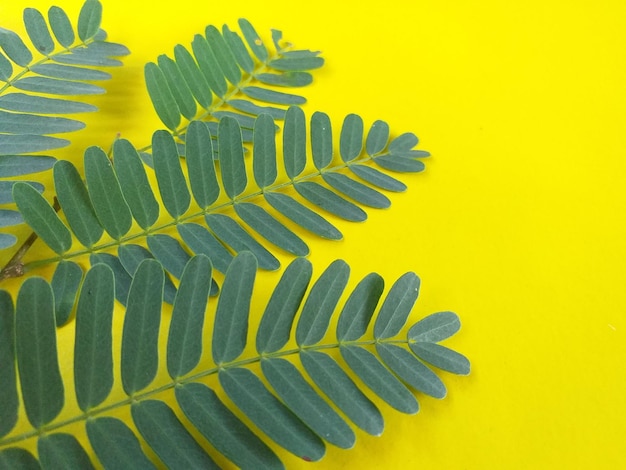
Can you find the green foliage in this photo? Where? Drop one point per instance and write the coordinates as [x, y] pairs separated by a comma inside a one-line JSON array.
[[298, 412], [220, 100], [64, 68], [220, 71], [110, 197]]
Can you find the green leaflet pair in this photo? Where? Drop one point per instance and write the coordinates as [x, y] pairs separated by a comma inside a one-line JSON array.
[[290, 413]]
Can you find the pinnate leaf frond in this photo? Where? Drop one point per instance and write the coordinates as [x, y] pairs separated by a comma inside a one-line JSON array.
[[307, 396], [217, 206]]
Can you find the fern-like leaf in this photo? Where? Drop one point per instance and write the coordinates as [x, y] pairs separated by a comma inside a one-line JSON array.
[[116, 191], [220, 71], [63, 68], [300, 409]]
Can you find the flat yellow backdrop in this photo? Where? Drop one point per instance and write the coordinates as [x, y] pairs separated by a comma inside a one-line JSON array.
[[517, 224]]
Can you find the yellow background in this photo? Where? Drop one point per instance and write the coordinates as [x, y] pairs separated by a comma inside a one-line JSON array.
[[517, 224]]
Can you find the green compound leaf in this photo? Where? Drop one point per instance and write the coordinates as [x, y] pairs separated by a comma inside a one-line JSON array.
[[93, 363], [162, 431], [36, 352], [298, 414], [225, 233]]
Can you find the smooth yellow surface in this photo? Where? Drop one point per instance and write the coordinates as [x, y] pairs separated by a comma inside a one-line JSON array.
[[517, 224]]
